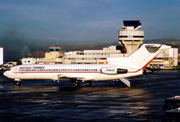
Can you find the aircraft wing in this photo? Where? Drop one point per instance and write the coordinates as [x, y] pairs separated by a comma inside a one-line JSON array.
[[69, 77]]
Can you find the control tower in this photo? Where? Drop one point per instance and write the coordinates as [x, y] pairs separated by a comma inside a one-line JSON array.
[[55, 52], [131, 37]]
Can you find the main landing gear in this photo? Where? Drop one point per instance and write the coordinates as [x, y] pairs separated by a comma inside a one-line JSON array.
[[77, 83], [88, 83]]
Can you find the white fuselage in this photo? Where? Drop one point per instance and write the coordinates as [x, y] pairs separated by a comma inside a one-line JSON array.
[[84, 72]]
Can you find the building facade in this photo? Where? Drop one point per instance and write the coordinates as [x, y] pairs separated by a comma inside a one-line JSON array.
[[92, 56], [1, 56], [166, 59], [130, 39], [54, 56]]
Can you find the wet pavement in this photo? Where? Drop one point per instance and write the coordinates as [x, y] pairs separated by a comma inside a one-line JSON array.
[[105, 101]]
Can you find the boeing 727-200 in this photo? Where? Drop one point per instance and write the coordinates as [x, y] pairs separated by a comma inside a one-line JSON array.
[[117, 68]]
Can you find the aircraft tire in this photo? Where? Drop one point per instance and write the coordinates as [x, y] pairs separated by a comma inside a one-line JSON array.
[[76, 84], [88, 83], [18, 83]]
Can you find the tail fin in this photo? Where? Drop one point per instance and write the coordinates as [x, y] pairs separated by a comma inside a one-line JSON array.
[[140, 58]]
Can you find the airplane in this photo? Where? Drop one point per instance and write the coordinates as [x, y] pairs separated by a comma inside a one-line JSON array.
[[117, 68]]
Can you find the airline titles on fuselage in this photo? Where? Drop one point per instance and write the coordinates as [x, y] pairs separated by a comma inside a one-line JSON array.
[[57, 69]]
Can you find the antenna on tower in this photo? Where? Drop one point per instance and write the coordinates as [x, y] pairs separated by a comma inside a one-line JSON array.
[[57, 41]]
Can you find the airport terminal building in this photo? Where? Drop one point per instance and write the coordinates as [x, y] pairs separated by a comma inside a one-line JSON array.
[[131, 37]]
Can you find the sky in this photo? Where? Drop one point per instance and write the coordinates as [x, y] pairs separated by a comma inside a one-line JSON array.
[[87, 21]]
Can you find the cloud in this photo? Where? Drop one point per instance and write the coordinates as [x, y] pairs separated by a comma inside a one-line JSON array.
[[78, 19]]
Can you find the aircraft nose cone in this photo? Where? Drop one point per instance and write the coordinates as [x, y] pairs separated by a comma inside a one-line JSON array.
[[5, 73]]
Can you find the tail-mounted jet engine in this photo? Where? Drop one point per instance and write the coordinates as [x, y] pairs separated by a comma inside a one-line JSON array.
[[113, 71]]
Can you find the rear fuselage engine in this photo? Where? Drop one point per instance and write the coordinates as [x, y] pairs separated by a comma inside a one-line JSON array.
[[113, 71]]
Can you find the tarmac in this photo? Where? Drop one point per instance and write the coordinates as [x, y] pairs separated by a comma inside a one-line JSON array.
[[48, 101]]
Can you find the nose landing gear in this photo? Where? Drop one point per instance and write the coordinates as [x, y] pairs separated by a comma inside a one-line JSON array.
[[18, 82]]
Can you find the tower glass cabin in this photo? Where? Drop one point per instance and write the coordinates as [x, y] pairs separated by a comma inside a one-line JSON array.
[[55, 52]]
